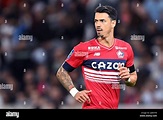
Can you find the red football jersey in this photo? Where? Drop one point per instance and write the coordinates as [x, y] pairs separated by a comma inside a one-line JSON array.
[[99, 68]]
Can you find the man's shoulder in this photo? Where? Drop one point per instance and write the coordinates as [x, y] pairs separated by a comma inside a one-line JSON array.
[[122, 42]]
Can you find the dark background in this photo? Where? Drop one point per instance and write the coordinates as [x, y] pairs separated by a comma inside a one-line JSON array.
[[37, 35]]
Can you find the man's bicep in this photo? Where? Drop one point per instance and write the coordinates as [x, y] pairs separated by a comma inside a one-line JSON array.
[[61, 73]]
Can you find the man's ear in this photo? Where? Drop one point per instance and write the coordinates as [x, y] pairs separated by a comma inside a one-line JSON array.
[[113, 23]]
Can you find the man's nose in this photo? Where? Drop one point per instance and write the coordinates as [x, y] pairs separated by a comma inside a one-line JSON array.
[[98, 24]]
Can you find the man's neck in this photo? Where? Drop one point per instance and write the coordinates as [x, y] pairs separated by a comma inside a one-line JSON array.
[[107, 41]]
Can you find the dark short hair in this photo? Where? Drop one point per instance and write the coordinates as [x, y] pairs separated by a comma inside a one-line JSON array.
[[112, 12]]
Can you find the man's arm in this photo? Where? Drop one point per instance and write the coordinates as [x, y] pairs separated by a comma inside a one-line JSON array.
[[64, 78], [129, 78], [132, 80]]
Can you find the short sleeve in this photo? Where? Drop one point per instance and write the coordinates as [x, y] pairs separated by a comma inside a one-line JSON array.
[[130, 57], [75, 58]]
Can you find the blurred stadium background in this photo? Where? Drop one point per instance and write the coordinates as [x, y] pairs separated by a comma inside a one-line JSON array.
[[37, 35]]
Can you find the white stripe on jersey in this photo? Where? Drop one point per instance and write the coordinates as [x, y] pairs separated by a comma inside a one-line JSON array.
[[100, 80], [100, 72], [101, 76]]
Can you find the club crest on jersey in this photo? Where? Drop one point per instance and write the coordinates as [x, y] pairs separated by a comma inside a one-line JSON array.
[[120, 54]]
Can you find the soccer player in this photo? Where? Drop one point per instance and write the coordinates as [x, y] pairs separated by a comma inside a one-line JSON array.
[[106, 61]]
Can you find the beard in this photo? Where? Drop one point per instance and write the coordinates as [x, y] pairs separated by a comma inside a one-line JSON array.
[[100, 35]]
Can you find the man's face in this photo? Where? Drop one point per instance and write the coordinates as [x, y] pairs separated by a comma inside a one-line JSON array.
[[103, 24]]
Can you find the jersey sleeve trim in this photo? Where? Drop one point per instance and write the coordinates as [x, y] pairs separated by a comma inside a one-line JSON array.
[[68, 67], [132, 68]]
